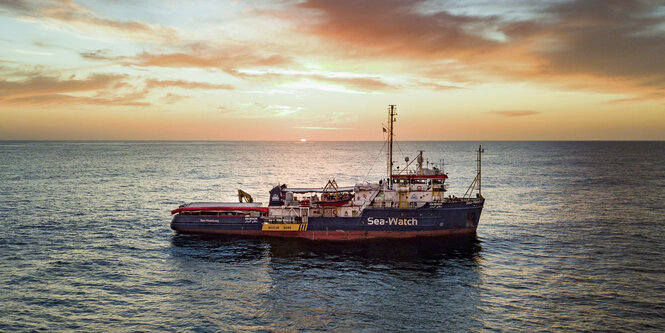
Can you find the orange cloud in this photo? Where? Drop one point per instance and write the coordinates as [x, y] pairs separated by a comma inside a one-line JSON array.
[[32, 86], [57, 99], [186, 84], [38, 85], [228, 59], [37, 88], [197, 55], [232, 60], [67, 12]]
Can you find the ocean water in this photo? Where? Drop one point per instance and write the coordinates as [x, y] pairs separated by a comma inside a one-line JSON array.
[[572, 238]]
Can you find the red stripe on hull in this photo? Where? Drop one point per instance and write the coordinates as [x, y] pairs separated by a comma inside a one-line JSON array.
[[219, 208], [338, 235]]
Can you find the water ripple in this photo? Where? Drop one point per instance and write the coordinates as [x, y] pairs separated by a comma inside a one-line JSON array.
[[571, 239]]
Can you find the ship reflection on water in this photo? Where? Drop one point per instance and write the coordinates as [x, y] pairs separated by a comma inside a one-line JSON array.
[[341, 286], [430, 251]]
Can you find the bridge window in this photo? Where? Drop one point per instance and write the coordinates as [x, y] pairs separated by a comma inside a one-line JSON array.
[[400, 181]]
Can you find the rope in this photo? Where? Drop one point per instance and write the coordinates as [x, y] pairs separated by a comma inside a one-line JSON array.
[[399, 147], [375, 159]]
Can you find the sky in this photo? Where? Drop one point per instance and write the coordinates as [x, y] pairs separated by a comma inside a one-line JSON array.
[[327, 70]]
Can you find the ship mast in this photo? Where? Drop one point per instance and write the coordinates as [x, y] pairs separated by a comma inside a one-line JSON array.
[[480, 151], [475, 184], [392, 112]]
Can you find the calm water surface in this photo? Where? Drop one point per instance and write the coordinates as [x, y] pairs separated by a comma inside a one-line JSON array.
[[571, 239]]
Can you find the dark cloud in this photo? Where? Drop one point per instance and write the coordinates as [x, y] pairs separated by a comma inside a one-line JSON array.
[[397, 28], [611, 38], [622, 41], [20, 6]]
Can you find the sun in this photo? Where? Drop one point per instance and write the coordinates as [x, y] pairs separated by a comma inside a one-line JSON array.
[[303, 140]]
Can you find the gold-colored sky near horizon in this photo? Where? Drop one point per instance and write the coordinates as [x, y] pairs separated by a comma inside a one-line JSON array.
[[327, 70]]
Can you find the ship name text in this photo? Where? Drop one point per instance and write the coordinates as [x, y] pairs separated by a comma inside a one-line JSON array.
[[391, 221]]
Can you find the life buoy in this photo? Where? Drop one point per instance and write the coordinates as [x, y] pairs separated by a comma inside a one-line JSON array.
[[420, 188]]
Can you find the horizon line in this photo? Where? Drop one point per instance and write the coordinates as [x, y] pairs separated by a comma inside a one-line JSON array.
[[311, 141]]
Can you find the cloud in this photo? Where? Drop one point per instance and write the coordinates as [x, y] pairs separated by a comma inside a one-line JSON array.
[[59, 99], [396, 28], [171, 98], [227, 59], [32, 52], [38, 84], [602, 45], [436, 86], [611, 46], [260, 110], [278, 110], [152, 83], [99, 55], [515, 113], [22, 84], [608, 38], [242, 62], [81, 18], [18, 5], [353, 81], [33, 86]]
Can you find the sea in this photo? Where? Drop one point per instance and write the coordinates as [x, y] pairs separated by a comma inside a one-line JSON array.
[[571, 239]]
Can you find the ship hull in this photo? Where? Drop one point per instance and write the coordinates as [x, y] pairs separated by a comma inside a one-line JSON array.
[[431, 220], [337, 235]]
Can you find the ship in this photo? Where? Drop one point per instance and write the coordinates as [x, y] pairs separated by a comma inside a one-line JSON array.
[[408, 203]]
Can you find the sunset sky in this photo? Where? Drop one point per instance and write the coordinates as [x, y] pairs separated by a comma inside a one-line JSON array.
[[327, 70]]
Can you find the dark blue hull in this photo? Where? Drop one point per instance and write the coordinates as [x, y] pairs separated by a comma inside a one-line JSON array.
[[434, 219]]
